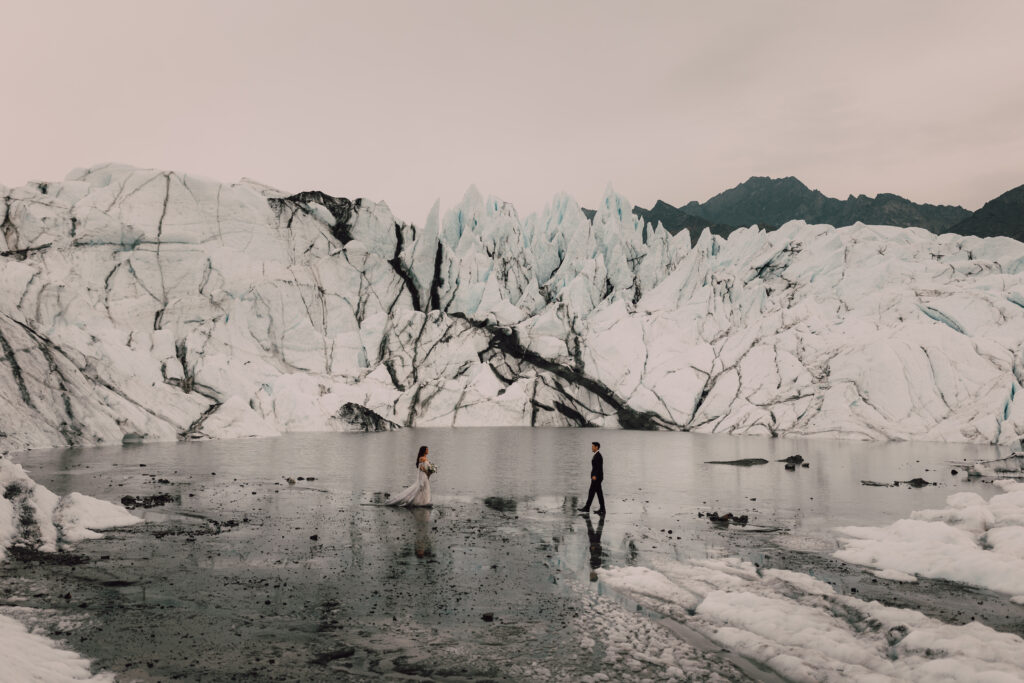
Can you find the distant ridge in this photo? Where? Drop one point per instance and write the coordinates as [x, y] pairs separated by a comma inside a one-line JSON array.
[[771, 202], [1004, 215], [673, 219]]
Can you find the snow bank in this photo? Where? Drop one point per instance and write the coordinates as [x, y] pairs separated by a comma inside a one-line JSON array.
[[77, 517], [31, 657], [33, 516], [971, 541], [801, 629]]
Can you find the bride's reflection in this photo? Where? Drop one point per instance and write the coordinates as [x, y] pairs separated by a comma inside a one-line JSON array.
[[421, 520], [596, 552]]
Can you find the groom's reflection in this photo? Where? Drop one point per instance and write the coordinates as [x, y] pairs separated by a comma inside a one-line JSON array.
[[421, 520], [596, 553]]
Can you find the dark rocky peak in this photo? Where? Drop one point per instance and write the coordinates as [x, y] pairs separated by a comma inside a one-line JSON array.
[[771, 202], [672, 219], [676, 219], [1004, 215], [762, 201], [787, 184]]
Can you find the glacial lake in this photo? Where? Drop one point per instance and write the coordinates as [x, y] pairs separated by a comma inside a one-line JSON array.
[[252, 576]]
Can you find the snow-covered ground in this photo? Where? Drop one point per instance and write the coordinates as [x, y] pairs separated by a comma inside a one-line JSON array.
[[971, 541], [142, 304], [25, 656], [34, 517], [803, 630]]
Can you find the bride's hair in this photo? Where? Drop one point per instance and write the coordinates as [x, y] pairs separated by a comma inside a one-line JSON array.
[[423, 451]]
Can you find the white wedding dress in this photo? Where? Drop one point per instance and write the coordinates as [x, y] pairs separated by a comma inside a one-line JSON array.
[[418, 494]]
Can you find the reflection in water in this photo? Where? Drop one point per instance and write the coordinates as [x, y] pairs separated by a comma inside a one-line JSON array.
[[632, 553], [596, 552], [500, 504], [380, 498], [661, 478], [421, 519]]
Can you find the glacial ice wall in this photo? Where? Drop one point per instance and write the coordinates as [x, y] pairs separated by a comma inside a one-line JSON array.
[[141, 304]]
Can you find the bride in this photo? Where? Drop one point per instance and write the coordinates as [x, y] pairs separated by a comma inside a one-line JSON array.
[[417, 495]]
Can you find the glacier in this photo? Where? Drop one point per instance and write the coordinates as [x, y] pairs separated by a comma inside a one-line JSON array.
[[141, 304]]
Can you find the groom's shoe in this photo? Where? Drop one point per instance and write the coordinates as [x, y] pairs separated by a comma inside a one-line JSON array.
[[601, 512], [583, 509]]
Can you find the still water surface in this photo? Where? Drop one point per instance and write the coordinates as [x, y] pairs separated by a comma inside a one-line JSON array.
[[645, 472], [252, 576]]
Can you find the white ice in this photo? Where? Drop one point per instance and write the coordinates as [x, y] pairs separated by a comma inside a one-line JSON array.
[[970, 541], [800, 628], [33, 515], [27, 656], [155, 305]]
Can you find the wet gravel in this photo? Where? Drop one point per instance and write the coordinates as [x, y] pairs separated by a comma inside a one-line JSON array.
[[464, 591]]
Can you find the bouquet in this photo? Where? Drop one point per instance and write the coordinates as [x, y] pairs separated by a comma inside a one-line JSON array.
[[431, 468]]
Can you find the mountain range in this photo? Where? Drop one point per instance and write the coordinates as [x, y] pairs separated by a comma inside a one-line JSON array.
[[771, 202]]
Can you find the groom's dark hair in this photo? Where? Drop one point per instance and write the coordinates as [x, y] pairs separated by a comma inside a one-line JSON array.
[[596, 444], [423, 450]]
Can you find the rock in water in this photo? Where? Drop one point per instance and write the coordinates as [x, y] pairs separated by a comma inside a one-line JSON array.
[[727, 518], [364, 419]]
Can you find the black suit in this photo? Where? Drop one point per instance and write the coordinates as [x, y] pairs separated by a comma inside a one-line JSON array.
[[596, 477]]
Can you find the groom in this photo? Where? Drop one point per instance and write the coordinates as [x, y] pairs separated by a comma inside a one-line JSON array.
[[596, 477]]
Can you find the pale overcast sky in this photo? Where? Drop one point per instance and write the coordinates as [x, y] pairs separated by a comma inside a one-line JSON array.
[[409, 102]]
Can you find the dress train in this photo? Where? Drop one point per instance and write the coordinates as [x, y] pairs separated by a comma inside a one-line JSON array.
[[418, 494]]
